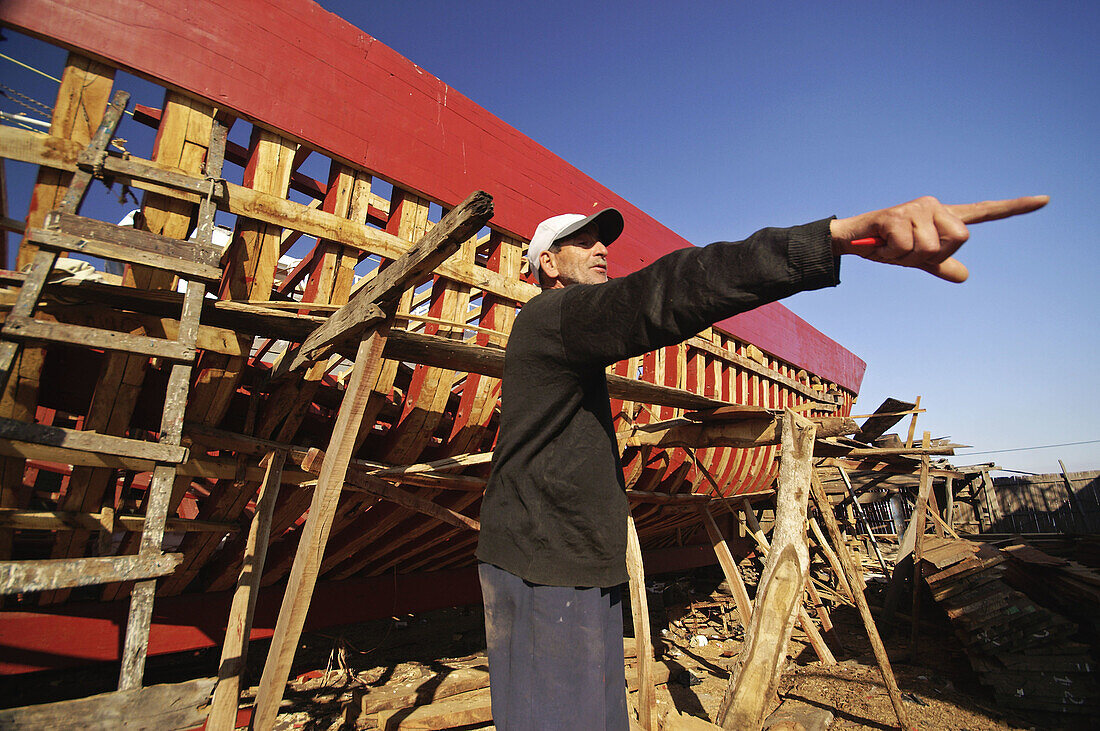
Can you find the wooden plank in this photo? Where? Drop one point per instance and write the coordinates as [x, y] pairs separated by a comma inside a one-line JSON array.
[[29, 294], [27, 328], [250, 273], [919, 513], [43, 575], [831, 557], [223, 708], [442, 241], [747, 433], [90, 441], [374, 485], [429, 388], [729, 567], [754, 679], [639, 608], [821, 649], [454, 712], [166, 706], [752, 366], [119, 243], [59, 520], [449, 681], [855, 582], [183, 141], [876, 425], [81, 104], [315, 533]]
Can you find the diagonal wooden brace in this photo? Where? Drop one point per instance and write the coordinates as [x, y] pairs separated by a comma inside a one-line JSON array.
[[374, 301], [457, 226]]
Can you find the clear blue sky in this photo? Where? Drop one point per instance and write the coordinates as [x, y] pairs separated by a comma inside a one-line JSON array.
[[719, 118]]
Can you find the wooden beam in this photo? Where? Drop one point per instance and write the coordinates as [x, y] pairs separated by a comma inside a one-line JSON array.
[[311, 545], [855, 583], [58, 520], [886, 415], [47, 574], [223, 708], [821, 649], [745, 434], [171, 705], [639, 608], [918, 547], [435, 247], [748, 364], [755, 677], [729, 567], [370, 483], [54, 436]]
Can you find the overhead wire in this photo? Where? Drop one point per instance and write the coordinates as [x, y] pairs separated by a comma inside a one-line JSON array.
[[1024, 449]]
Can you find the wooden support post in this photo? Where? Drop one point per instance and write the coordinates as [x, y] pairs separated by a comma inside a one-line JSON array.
[[918, 544], [991, 499], [223, 708], [866, 524], [831, 557], [949, 492], [729, 567], [816, 640], [311, 546], [755, 677], [464, 221], [1074, 505], [913, 424], [888, 679], [639, 607]]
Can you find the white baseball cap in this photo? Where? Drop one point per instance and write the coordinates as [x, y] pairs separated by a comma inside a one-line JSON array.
[[609, 222]]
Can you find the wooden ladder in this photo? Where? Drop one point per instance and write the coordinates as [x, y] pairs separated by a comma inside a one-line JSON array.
[[196, 262]]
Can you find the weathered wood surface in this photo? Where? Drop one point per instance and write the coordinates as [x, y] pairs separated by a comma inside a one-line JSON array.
[[745, 433], [755, 677], [156, 708], [54, 520], [223, 707], [315, 534], [17, 431], [856, 586], [25, 576], [442, 241], [639, 609]]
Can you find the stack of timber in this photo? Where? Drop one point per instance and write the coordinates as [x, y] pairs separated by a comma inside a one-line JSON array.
[[1063, 585], [397, 150], [1023, 651]]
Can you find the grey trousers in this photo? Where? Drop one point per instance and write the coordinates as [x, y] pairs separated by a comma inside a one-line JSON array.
[[555, 655]]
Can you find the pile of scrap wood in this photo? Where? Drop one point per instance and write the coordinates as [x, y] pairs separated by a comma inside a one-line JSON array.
[[1023, 651], [450, 694]]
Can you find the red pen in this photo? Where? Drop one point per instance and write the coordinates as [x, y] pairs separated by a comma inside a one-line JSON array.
[[872, 241]]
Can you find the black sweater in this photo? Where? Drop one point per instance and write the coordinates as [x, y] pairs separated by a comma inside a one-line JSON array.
[[555, 506]]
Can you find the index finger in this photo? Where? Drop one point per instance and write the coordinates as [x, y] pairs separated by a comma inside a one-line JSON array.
[[994, 210]]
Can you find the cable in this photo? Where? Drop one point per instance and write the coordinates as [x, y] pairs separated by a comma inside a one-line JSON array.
[[1024, 449], [39, 108], [29, 68]]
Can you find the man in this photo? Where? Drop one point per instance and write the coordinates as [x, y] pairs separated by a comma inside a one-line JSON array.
[[553, 521]]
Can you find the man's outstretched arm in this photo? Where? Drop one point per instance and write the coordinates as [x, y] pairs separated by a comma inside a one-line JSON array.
[[923, 233]]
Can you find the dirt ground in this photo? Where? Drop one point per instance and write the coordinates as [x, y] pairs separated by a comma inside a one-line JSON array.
[[940, 690]]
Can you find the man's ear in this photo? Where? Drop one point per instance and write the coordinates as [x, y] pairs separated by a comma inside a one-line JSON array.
[[548, 264]]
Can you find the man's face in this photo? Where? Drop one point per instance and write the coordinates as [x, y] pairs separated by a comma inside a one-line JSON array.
[[581, 259]]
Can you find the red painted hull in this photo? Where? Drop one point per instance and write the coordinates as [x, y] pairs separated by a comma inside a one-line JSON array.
[[308, 75]]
